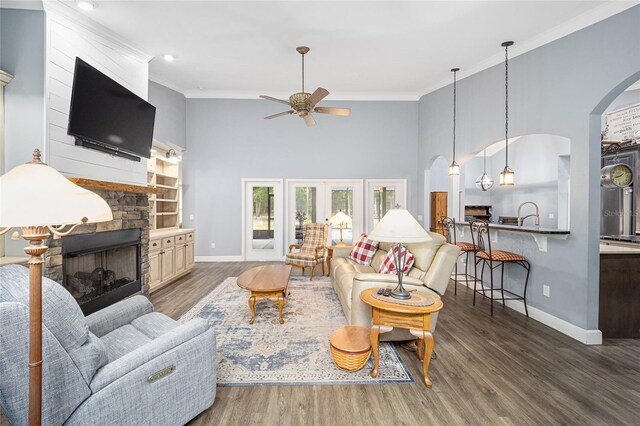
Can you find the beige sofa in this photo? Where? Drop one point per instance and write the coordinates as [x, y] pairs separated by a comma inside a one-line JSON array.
[[434, 262]]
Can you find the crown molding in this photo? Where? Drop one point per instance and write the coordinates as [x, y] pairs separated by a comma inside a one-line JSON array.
[[590, 17], [5, 78], [58, 10], [21, 4], [339, 96], [166, 83]]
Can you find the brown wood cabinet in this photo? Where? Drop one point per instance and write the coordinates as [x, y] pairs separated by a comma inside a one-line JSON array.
[[619, 315], [438, 211]]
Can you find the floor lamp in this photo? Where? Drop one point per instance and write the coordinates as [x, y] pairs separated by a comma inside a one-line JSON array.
[[398, 226], [37, 199], [340, 219]]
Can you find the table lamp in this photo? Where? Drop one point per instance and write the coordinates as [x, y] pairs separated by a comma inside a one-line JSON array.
[[37, 199], [399, 227], [340, 219]]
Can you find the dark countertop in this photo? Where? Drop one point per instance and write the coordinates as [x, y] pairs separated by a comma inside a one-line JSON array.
[[634, 239], [526, 229]]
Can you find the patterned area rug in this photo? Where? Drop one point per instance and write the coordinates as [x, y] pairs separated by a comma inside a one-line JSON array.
[[294, 353]]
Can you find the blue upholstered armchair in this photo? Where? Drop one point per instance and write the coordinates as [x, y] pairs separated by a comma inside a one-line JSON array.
[[124, 365]]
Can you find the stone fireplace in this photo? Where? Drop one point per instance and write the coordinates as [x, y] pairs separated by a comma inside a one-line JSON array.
[[103, 263]]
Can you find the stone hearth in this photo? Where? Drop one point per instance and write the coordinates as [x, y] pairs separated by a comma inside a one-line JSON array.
[[130, 207]]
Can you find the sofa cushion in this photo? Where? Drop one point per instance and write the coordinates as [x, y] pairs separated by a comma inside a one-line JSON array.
[[154, 325], [389, 263], [123, 340], [378, 258], [363, 250], [426, 252]]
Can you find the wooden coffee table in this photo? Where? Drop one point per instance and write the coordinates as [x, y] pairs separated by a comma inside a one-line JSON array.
[[386, 315], [266, 282]]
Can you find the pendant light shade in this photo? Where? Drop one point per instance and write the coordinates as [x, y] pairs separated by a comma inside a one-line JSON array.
[[507, 176], [454, 168], [484, 182]]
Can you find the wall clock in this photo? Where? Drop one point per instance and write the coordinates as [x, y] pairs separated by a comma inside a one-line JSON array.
[[616, 176]]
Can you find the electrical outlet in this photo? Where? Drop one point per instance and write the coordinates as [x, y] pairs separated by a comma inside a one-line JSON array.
[[419, 217], [213, 245], [191, 217], [551, 216], [546, 291]]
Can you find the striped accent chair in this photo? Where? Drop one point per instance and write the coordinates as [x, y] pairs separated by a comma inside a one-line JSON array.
[[449, 227], [312, 250], [494, 259]]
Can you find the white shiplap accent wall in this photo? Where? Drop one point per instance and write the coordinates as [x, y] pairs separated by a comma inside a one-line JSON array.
[[67, 39]]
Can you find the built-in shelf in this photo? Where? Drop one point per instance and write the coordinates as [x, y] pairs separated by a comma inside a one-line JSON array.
[[165, 176]]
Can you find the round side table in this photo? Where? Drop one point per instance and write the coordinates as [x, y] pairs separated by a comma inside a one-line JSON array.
[[386, 314]]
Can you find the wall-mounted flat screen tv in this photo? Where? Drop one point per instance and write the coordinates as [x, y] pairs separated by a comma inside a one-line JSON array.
[[107, 116]]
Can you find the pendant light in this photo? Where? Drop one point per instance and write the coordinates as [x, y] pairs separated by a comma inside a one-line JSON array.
[[454, 168], [484, 182], [507, 176]]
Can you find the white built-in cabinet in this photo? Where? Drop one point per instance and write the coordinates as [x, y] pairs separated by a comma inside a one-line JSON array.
[[171, 256]]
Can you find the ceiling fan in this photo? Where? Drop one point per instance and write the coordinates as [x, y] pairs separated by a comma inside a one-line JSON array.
[[303, 103]]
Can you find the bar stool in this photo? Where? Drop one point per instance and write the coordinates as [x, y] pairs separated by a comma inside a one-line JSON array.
[[449, 227], [495, 258]]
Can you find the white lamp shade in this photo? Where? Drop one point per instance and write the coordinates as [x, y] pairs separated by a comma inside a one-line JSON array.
[[399, 226], [35, 194], [339, 218]]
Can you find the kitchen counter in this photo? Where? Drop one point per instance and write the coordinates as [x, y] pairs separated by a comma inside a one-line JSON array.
[[529, 229], [540, 235], [628, 239]]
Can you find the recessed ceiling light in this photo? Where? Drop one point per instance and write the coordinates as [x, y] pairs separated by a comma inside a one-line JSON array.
[[86, 5], [153, 150], [167, 57]]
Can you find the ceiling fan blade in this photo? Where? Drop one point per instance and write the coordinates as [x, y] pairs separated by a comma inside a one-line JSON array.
[[308, 119], [317, 96], [270, 98], [333, 111], [279, 114]]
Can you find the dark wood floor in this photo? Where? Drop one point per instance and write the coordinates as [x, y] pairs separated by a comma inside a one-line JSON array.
[[500, 370]]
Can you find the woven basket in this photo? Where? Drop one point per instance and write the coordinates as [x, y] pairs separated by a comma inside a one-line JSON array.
[[350, 361]]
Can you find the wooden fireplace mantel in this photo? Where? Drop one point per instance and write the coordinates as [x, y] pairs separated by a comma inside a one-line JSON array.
[[114, 186]]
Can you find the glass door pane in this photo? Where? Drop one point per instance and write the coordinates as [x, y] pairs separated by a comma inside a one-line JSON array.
[[304, 206], [382, 196], [342, 201], [306, 210], [263, 220]]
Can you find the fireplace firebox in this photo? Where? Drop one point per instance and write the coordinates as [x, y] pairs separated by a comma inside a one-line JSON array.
[[103, 268]]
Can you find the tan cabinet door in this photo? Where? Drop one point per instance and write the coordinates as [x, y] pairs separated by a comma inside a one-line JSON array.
[[155, 272], [168, 263], [181, 264], [190, 255]]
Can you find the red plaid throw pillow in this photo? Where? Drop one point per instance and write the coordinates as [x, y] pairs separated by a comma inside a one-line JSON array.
[[363, 250], [388, 265]]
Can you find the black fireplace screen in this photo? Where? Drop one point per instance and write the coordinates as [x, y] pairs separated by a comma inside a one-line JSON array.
[[101, 269]]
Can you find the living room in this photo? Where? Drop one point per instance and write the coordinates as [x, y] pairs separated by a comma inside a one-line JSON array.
[[218, 262]]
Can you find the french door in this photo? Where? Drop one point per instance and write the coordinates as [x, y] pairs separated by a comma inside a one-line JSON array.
[[318, 200], [262, 222]]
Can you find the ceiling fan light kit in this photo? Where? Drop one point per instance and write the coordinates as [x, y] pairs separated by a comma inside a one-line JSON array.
[[303, 103]]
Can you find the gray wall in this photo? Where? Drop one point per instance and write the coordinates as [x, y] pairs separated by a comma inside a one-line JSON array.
[[229, 140], [536, 160], [22, 44], [171, 111], [561, 88]]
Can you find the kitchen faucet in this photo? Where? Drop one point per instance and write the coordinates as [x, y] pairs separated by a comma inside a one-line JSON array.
[[536, 215]]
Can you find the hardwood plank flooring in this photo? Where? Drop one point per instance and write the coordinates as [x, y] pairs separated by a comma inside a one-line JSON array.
[[501, 370]]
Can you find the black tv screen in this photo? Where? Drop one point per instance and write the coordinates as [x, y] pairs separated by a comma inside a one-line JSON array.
[[107, 115]]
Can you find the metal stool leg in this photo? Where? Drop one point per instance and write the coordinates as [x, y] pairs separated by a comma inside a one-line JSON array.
[[455, 279], [502, 283], [475, 279], [491, 294], [526, 282]]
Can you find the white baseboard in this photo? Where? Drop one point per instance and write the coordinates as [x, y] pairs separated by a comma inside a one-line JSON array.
[[218, 258], [588, 337]]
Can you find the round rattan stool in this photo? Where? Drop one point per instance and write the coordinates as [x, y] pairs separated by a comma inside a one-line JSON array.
[[350, 347]]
